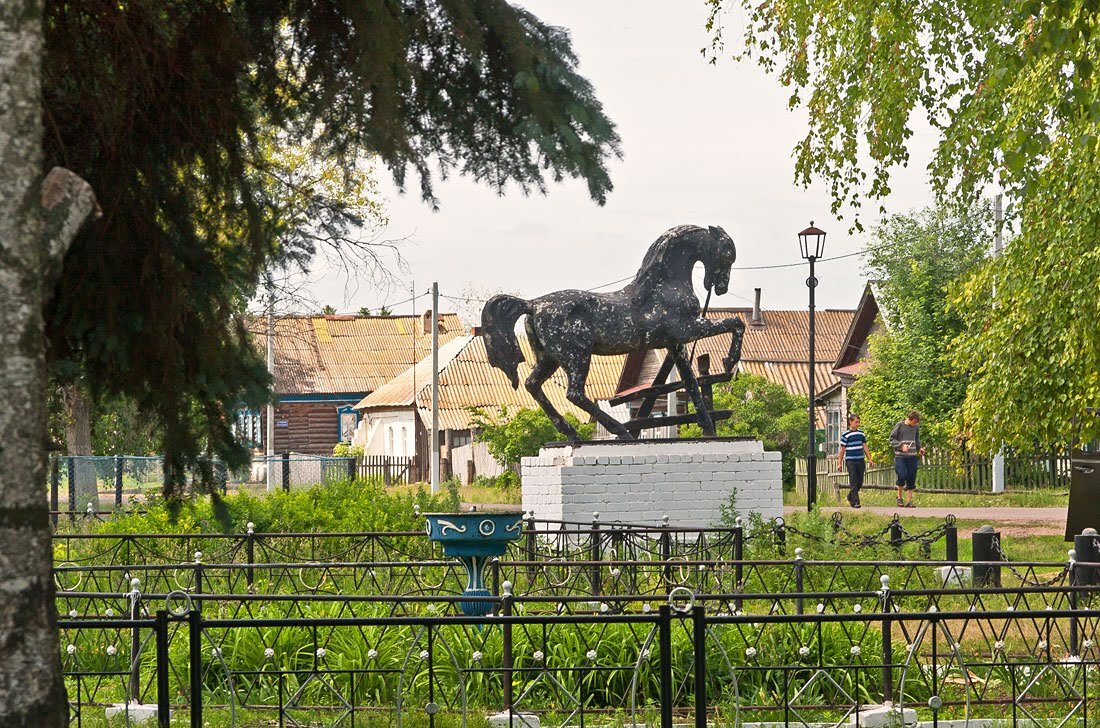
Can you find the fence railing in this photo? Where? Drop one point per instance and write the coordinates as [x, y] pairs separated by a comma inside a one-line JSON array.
[[952, 472], [1028, 656]]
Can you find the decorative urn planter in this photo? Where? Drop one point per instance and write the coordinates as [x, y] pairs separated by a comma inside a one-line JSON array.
[[474, 538]]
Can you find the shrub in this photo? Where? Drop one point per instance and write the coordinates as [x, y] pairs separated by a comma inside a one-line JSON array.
[[511, 436]]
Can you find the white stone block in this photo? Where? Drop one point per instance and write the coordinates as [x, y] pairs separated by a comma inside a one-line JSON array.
[[138, 713], [884, 716]]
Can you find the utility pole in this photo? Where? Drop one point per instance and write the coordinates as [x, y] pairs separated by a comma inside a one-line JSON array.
[[435, 388], [998, 246], [269, 436]]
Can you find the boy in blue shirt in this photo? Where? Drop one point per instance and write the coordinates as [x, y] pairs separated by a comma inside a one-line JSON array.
[[855, 456]]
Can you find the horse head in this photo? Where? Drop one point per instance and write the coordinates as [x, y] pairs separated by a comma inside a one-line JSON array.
[[718, 260]]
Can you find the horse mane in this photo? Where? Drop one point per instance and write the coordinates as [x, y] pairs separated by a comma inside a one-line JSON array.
[[662, 247]]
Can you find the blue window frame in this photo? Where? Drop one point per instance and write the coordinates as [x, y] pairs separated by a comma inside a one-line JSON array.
[[347, 420]]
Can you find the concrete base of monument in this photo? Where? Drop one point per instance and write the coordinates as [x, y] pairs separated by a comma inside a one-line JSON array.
[[688, 480], [514, 720]]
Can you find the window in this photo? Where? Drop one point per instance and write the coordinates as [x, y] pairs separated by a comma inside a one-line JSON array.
[[348, 420], [405, 441], [460, 438], [249, 428], [832, 431]]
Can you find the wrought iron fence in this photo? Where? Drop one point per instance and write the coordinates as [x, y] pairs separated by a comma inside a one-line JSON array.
[[1025, 654]]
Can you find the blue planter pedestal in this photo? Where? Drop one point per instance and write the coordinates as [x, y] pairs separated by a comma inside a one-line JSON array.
[[474, 538]]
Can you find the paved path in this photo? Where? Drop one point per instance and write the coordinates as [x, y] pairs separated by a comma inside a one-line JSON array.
[[1033, 521]]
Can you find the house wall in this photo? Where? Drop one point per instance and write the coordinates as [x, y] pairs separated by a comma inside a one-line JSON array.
[[478, 452], [387, 432], [311, 427]]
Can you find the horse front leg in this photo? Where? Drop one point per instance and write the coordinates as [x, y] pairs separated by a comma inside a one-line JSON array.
[[702, 328], [544, 368], [691, 384]]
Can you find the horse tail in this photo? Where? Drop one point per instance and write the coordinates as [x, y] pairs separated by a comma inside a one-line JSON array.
[[498, 321]]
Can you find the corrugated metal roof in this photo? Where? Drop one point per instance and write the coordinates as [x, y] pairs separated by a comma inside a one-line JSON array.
[[467, 380], [346, 354], [794, 377]]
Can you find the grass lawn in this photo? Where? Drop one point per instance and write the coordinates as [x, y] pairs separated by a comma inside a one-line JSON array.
[[962, 499]]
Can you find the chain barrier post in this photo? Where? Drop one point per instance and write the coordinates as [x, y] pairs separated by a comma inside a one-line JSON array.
[[887, 641], [951, 539], [1088, 551], [161, 637], [779, 530], [896, 533], [664, 640], [595, 554], [194, 623], [986, 548], [699, 643], [119, 466]]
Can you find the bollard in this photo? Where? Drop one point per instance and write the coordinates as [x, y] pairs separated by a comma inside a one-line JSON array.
[[1086, 546], [780, 532], [666, 556], [798, 582], [951, 539], [896, 533], [986, 547]]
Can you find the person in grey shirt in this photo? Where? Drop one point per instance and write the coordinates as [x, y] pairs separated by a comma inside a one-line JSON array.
[[905, 440]]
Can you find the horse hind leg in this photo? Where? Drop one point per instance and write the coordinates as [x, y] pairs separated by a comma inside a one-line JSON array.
[[578, 375], [544, 368]]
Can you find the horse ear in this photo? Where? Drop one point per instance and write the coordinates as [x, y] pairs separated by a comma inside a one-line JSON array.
[[717, 231]]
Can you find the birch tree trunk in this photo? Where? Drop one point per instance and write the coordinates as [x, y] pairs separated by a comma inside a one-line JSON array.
[[37, 221], [78, 441]]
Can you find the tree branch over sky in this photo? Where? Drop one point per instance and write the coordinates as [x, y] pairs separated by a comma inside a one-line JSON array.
[[1012, 89]]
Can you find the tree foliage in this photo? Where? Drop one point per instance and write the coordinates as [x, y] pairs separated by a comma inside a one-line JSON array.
[[174, 111], [1013, 91], [514, 435], [917, 260], [763, 410]]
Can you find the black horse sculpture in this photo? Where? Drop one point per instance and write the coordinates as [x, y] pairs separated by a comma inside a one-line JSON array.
[[657, 310]]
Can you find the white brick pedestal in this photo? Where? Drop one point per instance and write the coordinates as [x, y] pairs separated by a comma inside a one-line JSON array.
[[641, 482]]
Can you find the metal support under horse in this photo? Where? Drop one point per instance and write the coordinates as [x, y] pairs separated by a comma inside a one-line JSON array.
[[657, 310]]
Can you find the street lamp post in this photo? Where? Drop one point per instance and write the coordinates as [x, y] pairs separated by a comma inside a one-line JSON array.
[[812, 242]]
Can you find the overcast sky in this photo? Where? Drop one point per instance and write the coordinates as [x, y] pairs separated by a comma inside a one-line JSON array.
[[702, 144]]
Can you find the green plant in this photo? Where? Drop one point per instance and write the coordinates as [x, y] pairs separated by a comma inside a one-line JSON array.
[[347, 450], [514, 435]]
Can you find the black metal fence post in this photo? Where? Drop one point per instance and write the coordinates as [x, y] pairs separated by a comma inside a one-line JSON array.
[[71, 462], [194, 622], [198, 569], [666, 558], [250, 553], [799, 567], [595, 547], [699, 644], [1074, 576], [55, 483], [530, 548], [286, 471], [887, 641], [739, 556], [161, 637], [664, 641], [134, 686], [506, 639], [120, 463]]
